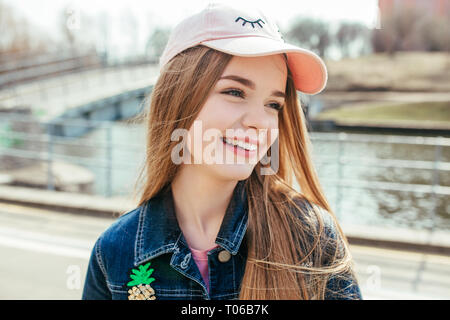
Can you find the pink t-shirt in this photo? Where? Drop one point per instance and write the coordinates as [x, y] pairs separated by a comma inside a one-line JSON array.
[[201, 258]]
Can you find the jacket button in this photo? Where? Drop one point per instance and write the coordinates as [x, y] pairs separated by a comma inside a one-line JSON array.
[[224, 256], [184, 264]]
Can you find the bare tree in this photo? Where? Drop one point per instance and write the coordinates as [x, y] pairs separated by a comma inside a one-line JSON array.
[[103, 25], [311, 33], [15, 32], [436, 33], [349, 33], [412, 29], [156, 42], [130, 27], [68, 27]]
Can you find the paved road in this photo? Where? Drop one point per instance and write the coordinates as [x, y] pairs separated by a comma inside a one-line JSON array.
[[45, 254]]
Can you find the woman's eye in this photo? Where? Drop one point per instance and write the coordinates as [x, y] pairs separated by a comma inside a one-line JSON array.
[[276, 106], [234, 92], [240, 94]]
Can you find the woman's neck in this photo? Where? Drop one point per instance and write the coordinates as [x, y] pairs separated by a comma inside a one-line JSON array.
[[200, 204]]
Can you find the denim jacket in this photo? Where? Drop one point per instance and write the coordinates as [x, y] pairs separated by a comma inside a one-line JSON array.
[[148, 242]]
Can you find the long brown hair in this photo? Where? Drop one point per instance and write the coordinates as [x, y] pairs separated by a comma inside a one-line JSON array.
[[290, 253]]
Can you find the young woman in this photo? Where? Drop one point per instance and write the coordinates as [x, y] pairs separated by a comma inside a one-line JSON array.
[[218, 217]]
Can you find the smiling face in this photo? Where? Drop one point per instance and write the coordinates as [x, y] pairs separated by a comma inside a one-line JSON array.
[[245, 103]]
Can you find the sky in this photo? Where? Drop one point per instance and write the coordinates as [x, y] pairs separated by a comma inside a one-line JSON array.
[[44, 14]]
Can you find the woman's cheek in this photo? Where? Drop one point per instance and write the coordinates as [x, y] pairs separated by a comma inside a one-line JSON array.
[[273, 135], [269, 137]]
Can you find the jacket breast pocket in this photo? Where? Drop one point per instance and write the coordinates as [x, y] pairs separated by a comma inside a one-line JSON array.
[[164, 293], [117, 292], [154, 292]]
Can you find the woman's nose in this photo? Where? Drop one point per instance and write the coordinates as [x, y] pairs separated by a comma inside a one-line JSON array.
[[256, 117]]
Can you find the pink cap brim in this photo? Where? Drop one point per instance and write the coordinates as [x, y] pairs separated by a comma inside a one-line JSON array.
[[307, 68]]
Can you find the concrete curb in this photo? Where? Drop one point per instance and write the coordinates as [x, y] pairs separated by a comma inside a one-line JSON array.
[[436, 242], [66, 201], [423, 241], [398, 128]]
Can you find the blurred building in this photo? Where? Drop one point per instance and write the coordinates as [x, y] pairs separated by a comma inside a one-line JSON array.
[[413, 25], [428, 7]]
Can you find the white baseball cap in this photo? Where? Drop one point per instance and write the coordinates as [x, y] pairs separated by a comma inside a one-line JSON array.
[[246, 32]]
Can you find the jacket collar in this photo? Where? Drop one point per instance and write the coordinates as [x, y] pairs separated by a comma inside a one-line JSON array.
[[158, 231]]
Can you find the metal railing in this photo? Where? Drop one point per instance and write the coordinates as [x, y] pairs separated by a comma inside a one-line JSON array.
[[13, 143], [438, 165]]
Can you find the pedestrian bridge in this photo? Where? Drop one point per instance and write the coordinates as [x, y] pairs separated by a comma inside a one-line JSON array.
[[101, 94]]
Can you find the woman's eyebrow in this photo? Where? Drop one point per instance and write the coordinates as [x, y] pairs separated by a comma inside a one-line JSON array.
[[250, 84]]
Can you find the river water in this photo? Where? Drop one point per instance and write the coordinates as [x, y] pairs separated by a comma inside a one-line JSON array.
[[352, 205]]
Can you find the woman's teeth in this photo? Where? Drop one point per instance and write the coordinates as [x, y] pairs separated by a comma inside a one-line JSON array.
[[243, 145]]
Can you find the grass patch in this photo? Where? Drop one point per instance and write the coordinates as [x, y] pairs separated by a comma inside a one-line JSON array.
[[405, 71], [429, 112]]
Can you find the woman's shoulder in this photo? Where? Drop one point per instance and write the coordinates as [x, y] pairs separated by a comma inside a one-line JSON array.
[[313, 213], [121, 231], [322, 229]]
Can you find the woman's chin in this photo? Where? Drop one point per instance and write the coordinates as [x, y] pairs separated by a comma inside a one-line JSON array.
[[233, 171]]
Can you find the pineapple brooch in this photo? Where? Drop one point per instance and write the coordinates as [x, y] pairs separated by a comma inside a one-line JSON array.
[[140, 283]]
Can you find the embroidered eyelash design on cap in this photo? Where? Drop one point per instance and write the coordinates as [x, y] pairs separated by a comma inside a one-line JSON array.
[[252, 22]]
